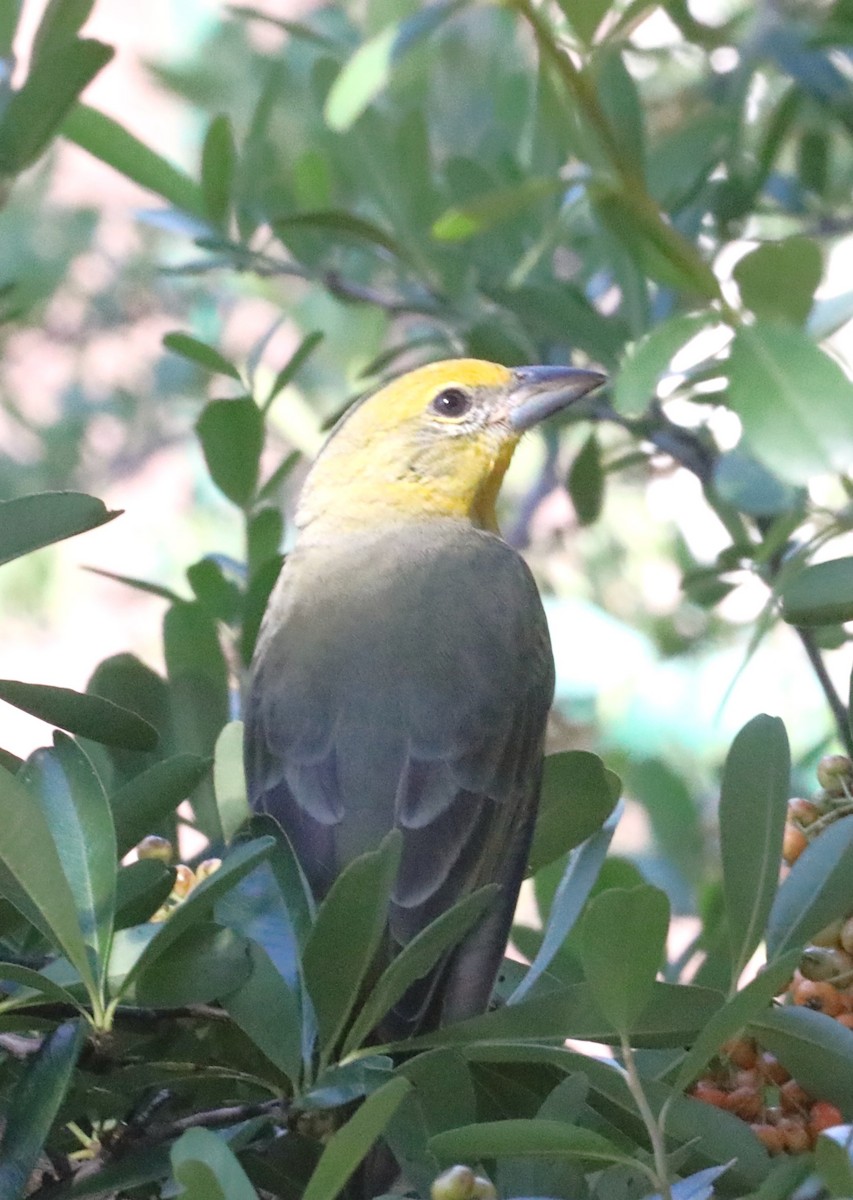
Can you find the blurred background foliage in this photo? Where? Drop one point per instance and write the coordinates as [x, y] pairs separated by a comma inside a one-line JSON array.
[[332, 194]]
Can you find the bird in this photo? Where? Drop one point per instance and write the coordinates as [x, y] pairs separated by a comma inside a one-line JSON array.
[[403, 671]]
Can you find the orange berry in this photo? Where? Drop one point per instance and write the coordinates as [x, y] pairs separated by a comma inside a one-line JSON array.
[[772, 1069], [845, 1019], [744, 1102], [822, 997], [802, 812], [708, 1093], [770, 1136], [794, 1135], [793, 843], [834, 773], [823, 1116], [749, 1079], [741, 1052]]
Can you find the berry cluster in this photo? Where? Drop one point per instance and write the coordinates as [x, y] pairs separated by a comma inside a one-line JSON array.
[[744, 1079], [753, 1085], [185, 877], [808, 818]]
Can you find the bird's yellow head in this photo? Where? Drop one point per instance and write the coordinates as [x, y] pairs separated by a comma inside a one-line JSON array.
[[435, 442]]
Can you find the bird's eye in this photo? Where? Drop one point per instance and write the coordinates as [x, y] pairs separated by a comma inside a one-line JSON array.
[[452, 402]]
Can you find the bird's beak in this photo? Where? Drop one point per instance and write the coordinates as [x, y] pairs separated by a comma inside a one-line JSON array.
[[539, 392]]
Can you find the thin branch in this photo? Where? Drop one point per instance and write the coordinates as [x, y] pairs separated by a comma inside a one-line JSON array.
[[836, 704]]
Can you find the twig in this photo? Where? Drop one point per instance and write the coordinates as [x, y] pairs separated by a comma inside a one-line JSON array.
[[836, 704], [653, 1126]]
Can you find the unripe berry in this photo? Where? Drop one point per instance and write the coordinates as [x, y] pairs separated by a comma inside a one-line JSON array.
[[207, 868], [484, 1189], [845, 937], [803, 812], [457, 1183], [156, 847], [825, 962], [794, 843], [835, 773], [184, 882], [830, 935]]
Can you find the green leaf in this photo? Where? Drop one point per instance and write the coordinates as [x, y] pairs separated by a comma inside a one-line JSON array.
[[349, 1145], [833, 1162], [268, 1012], [586, 482], [75, 806], [289, 876], [343, 1083], [205, 963], [346, 934], [366, 74], [821, 594], [30, 522], [109, 141], [139, 585], [519, 1138], [141, 804], [218, 163], [141, 887], [748, 486], [575, 801], [794, 401], [294, 364], [778, 280], [753, 807], [334, 222], [585, 18], [416, 959], [81, 713], [673, 1017], [215, 591], [60, 23], [229, 780], [648, 360], [816, 890], [622, 943], [201, 354], [743, 1007], [29, 855], [664, 253], [196, 908], [35, 984], [232, 438], [814, 1047], [34, 114], [207, 1169], [582, 869], [34, 1104], [264, 534], [484, 212]]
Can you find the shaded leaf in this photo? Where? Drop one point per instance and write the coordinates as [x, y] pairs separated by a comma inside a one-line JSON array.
[[833, 1160], [268, 1011], [294, 364], [821, 594], [346, 934], [34, 1104], [207, 1169], [60, 23], [141, 887], [748, 486], [586, 482], [81, 713], [201, 354], [816, 1049], [229, 780], [348, 1146], [141, 803], [334, 222], [218, 162], [202, 965], [498, 1139], [482, 213], [30, 522]]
